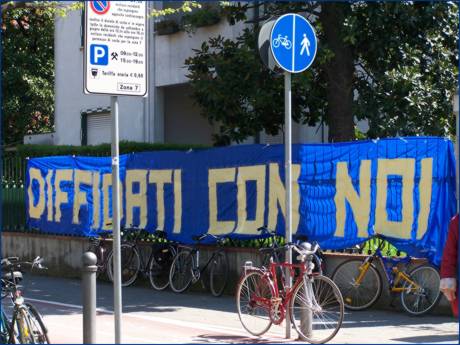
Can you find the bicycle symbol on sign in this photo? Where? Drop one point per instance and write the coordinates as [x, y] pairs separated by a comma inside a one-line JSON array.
[[283, 41]]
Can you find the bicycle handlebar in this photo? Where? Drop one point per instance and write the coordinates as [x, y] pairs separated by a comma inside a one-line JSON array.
[[297, 247], [305, 251], [265, 230]]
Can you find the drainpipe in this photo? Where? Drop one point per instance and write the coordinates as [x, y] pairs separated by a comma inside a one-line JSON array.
[[256, 29], [457, 143]]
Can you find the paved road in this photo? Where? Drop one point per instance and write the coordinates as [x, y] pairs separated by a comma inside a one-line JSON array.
[[165, 317]]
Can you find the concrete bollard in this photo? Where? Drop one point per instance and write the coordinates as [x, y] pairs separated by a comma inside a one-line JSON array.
[[306, 313], [89, 269]]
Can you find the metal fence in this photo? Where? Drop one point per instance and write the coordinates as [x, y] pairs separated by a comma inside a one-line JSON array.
[[13, 193]]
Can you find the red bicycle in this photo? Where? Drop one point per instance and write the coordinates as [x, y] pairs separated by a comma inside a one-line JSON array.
[[314, 303]]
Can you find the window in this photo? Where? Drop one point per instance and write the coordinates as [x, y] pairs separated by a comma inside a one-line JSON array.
[[96, 127]]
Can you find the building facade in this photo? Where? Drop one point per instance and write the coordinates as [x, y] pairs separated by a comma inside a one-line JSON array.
[[167, 115]]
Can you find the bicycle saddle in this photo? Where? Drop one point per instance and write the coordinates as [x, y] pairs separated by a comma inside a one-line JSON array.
[[9, 260], [199, 238], [16, 275]]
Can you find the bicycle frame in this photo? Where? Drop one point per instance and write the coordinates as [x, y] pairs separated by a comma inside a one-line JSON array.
[[196, 253], [393, 274], [97, 247], [144, 265], [283, 299]]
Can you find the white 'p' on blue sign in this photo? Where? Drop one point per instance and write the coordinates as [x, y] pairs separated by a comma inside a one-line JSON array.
[[293, 43]]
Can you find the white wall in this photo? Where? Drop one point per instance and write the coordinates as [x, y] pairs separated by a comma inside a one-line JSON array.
[[139, 120]]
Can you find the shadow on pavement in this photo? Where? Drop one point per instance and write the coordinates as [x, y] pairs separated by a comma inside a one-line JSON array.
[[212, 339], [144, 299], [429, 339], [378, 318]]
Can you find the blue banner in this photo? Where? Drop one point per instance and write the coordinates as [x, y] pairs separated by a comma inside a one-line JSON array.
[[402, 188]]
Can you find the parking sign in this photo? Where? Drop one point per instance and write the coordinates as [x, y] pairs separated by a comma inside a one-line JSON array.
[[116, 48]]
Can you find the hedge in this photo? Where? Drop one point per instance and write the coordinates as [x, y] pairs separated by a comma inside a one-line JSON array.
[[31, 150]]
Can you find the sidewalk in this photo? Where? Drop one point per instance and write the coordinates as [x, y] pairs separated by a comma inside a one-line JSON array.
[[165, 317]]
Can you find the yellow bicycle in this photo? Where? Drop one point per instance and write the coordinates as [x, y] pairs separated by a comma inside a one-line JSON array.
[[361, 283]]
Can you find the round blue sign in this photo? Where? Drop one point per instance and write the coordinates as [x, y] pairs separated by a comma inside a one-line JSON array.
[[293, 43]]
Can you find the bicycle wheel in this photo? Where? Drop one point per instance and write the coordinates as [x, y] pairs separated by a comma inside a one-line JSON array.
[[420, 300], [181, 273], [4, 329], [218, 273], [253, 295], [362, 295], [159, 267], [39, 330], [316, 309], [130, 264]]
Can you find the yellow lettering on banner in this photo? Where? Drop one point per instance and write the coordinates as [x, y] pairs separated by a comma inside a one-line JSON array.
[[160, 177], [177, 201], [136, 199], [106, 183], [250, 173], [404, 167], [96, 199], [277, 196], [62, 197], [425, 189], [80, 197], [49, 201], [36, 211], [216, 176], [360, 204]]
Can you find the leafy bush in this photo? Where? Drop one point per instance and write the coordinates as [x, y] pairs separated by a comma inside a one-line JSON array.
[[98, 150], [206, 16]]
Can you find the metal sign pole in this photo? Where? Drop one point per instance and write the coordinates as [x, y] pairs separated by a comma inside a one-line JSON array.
[[116, 220], [288, 182]]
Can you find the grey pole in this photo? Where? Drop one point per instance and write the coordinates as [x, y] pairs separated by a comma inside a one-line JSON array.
[[288, 182], [116, 220], [89, 270], [457, 148]]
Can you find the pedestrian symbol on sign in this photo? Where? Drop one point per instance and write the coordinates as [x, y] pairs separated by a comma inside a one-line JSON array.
[[305, 45]]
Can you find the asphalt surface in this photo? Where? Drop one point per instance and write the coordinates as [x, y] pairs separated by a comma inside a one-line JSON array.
[[165, 317]]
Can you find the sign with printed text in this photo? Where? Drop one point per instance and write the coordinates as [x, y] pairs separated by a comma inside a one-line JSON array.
[[293, 43], [115, 48]]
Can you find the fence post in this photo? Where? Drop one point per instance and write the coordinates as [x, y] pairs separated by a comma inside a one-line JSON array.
[[89, 270]]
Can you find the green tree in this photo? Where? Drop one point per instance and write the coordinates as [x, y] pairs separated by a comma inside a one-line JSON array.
[[27, 70], [394, 64]]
